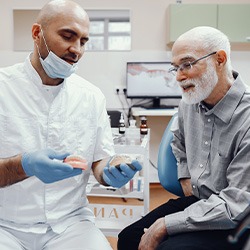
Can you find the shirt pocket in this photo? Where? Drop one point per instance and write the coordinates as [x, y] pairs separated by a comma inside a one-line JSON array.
[[220, 165]]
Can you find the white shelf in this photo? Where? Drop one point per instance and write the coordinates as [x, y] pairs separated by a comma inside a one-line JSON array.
[[110, 225], [153, 112], [126, 191], [109, 192]]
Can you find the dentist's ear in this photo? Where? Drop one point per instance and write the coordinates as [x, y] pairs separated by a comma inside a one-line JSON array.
[[36, 32]]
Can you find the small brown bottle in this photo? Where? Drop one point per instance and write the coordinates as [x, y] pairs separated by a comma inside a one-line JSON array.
[[143, 126]]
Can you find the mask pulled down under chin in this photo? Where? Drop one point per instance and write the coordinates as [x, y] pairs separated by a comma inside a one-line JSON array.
[[55, 67]]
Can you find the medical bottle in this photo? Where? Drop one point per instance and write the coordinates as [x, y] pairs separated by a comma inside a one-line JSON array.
[[132, 133], [121, 125], [143, 126]]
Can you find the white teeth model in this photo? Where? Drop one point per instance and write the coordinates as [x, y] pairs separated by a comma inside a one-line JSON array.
[[76, 161]]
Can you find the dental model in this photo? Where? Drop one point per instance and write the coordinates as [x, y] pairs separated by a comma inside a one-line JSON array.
[[118, 159], [76, 161]]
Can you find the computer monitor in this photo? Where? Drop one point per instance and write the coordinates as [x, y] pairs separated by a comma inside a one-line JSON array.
[[151, 80]]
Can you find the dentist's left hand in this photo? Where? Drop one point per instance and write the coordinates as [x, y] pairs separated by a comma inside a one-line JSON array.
[[41, 164], [118, 177]]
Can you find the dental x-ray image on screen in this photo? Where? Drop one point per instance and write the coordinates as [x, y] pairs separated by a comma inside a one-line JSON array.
[[151, 80]]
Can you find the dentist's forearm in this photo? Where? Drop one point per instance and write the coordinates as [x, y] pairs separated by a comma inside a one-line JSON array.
[[11, 171]]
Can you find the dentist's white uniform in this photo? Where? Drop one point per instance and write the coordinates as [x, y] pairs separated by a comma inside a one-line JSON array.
[[69, 118]]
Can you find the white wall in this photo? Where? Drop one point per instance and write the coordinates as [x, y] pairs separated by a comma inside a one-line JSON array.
[[107, 69]]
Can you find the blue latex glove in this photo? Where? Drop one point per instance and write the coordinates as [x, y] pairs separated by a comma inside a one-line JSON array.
[[42, 165], [118, 177]]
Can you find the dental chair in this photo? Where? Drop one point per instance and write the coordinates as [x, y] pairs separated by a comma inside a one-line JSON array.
[[167, 167]]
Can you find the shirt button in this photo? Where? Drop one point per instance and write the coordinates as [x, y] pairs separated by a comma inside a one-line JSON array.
[[209, 120], [194, 186], [201, 165], [206, 142]]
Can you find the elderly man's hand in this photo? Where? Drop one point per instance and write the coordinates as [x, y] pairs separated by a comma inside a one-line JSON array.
[[186, 186], [154, 235]]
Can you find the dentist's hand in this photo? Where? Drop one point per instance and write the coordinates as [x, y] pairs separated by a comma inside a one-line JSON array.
[[118, 177], [42, 165]]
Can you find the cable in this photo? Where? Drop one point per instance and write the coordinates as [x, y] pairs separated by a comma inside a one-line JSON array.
[[153, 165], [130, 105]]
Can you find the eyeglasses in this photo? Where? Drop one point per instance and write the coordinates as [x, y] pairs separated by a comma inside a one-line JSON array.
[[184, 67]]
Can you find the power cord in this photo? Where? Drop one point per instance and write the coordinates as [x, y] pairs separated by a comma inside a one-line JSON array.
[[153, 165]]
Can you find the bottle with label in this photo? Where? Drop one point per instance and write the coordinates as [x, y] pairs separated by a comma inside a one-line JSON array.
[[132, 133], [143, 126], [121, 126]]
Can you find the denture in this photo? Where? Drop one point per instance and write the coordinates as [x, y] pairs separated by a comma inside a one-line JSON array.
[[76, 161]]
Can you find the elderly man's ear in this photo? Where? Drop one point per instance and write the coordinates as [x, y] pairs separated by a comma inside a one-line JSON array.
[[221, 57]]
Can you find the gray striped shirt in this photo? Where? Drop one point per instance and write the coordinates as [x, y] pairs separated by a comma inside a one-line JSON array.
[[212, 147]]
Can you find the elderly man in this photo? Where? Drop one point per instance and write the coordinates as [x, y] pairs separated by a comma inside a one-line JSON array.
[[211, 144], [47, 113]]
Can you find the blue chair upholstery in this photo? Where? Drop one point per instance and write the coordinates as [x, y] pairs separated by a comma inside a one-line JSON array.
[[167, 167]]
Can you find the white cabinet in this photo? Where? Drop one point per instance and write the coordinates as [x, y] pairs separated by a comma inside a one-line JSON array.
[[232, 19], [112, 218], [182, 17]]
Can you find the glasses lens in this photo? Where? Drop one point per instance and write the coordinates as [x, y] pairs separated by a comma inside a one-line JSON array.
[[185, 66], [173, 70]]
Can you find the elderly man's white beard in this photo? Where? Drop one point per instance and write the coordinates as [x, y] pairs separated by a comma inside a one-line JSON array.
[[203, 86]]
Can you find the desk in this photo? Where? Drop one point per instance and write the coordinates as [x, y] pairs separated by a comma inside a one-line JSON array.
[[112, 218], [153, 112]]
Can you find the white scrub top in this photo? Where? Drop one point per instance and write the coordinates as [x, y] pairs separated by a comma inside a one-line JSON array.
[[33, 118]]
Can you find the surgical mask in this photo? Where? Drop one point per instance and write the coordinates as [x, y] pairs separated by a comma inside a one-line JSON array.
[[54, 66]]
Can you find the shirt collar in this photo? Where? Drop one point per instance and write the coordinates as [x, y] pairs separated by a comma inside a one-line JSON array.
[[225, 108], [32, 73]]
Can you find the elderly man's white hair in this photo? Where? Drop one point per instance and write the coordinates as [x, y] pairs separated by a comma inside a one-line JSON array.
[[210, 39]]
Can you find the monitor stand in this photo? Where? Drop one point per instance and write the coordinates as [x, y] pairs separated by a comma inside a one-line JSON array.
[[157, 105]]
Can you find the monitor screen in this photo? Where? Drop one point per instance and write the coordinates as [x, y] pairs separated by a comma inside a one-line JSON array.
[[151, 80]]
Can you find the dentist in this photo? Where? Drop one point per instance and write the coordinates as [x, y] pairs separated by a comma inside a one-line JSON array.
[[47, 112]]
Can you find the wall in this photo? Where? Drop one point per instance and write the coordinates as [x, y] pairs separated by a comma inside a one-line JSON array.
[[107, 69]]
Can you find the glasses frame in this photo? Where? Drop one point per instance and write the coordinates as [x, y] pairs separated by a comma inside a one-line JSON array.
[[188, 65]]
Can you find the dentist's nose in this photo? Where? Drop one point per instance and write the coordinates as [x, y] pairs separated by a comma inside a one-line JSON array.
[[76, 49]]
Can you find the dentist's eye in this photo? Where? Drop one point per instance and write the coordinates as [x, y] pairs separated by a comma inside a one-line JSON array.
[[66, 37]]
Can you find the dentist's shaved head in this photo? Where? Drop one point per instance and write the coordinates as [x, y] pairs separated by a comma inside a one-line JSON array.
[[53, 9]]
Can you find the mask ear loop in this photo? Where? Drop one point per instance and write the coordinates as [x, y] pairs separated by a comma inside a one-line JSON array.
[[38, 50], [44, 41]]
